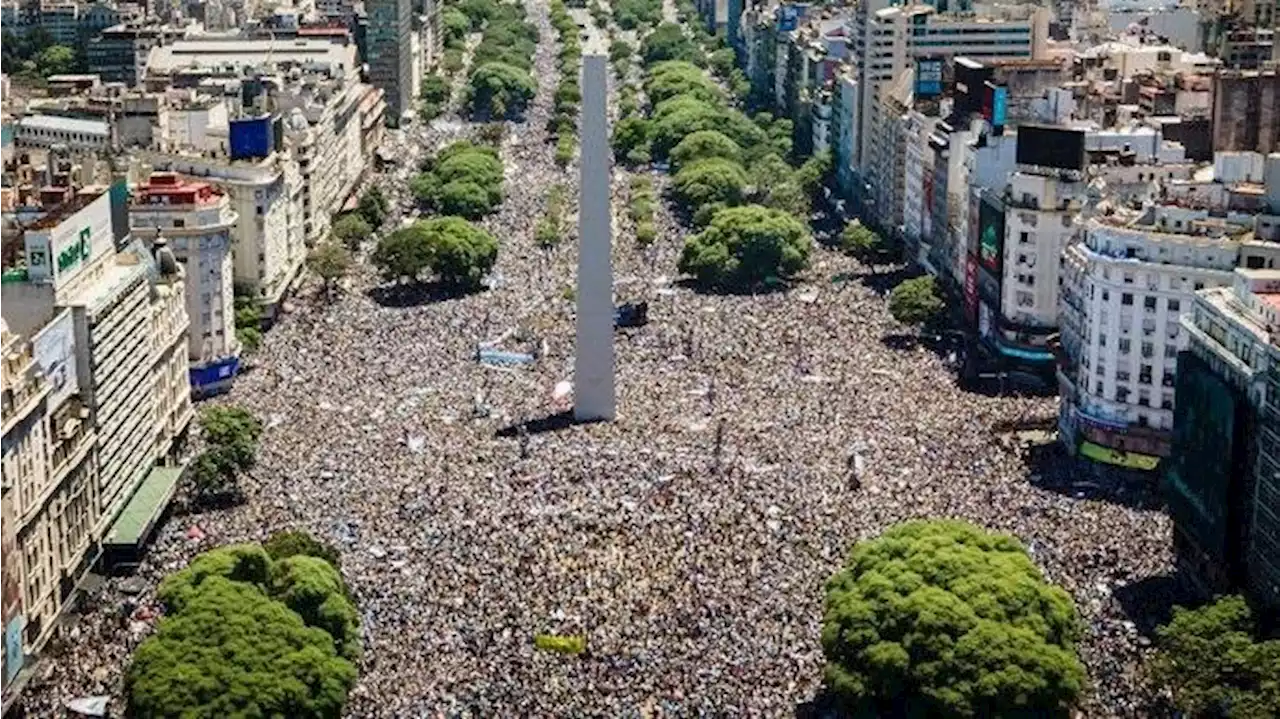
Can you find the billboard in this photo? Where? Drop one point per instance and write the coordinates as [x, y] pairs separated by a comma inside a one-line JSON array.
[[60, 253], [1045, 146], [990, 235], [251, 137], [54, 348], [1197, 480], [928, 77], [995, 104]]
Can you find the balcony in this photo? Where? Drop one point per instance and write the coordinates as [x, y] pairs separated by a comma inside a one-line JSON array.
[[70, 437]]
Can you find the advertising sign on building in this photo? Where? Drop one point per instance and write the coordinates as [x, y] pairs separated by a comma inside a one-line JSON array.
[[54, 349], [928, 77], [60, 253], [990, 236]]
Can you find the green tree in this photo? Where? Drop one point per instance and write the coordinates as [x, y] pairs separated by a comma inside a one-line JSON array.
[[231, 436], [721, 62], [1215, 664], [403, 254], [775, 185], [620, 51], [668, 42], [500, 89], [351, 229], [288, 543], [714, 180], [703, 145], [744, 247], [461, 253], [630, 134], [331, 262], [236, 652], [680, 117], [455, 25], [373, 206], [246, 635], [56, 60], [941, 618], [248, 321], [859, 241], [916, 301], [814, 173], [464, 198], [675, 78]]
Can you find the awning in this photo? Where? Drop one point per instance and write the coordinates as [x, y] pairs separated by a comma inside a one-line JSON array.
[[1119, 457], [139, 516]]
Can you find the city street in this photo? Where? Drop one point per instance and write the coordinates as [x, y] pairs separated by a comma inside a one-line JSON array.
[[758, 438]]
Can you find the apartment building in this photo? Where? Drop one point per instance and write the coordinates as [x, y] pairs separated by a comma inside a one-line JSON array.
[[95, 341], [1223, 478], [195, 220], [390, 55], [266, 195], [1124, 287], [45, 131], [1246, 111], [119, 53]]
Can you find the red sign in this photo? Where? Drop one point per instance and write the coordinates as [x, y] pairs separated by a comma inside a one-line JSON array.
[[971, 287]]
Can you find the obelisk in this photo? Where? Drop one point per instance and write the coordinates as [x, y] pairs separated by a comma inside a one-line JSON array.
[[593, 392]]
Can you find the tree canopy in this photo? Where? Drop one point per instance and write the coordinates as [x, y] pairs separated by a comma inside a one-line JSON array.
[[916, 301], [464, 179], [500, 90], [373, 206], [246, 635], [714, 180], [351, 229], [942, 618], [632, 14], [745, 246], [673, 78], [330, 261], [459, 253], [858, 240], [704, 145], [1215, 664], [668, 42]]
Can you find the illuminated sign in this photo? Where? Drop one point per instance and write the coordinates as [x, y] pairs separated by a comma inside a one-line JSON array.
[[928, 77]]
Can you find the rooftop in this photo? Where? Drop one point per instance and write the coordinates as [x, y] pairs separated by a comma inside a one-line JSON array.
[[209, 54], [57, 123]]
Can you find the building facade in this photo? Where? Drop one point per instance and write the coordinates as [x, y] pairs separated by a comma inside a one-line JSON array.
[[390, 55]]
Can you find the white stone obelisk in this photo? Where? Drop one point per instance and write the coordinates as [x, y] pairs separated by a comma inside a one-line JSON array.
[[593, 392]]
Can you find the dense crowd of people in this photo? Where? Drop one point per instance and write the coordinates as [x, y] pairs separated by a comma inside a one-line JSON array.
[[758, 438]]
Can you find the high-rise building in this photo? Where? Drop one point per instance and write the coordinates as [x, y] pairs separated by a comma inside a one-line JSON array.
[[391, 55], [1246, 111], [1223, 476], [1124, 288]]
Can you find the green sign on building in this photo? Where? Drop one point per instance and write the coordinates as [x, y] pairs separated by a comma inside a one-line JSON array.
[[76, 252]]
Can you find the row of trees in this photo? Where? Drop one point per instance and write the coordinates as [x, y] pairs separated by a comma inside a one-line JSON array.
[[333, 258], [568, 98], [550, 229], [500, 86], [464, 179], [251, 630]]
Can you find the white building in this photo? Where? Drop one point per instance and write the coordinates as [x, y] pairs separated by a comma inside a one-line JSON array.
[[1041, 221], [197, 221], [267, 240], [1124, 288], [887, 40], [108, 338], [46, 130]]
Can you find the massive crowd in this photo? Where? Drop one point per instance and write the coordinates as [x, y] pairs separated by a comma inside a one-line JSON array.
[[758, 437]]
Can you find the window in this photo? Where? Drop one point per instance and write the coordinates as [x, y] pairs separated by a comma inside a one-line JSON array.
[[1149, 303], [1170, 351], [1024, 238], [1148, 350], [1166, 401], [1144, 398], [1126, 299], [1144, 374], [1124, 345], [1166, 379], [1122, 394], [1128, 278], [1199, 286], [1102, 339], [1122, 375], [1175, 305], [1106, 296]]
